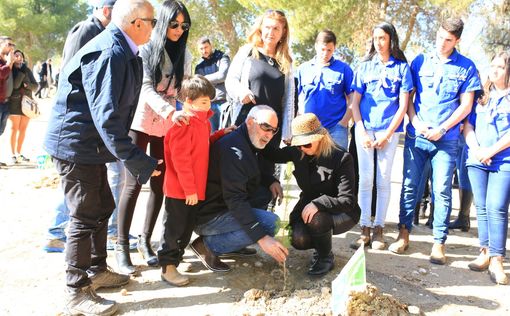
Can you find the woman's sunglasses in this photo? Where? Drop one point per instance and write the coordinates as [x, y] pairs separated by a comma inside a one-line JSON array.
[[184, 25], [307, 146]]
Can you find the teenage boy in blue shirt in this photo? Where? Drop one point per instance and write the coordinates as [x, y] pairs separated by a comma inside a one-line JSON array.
[[324, 88], [445, 83]]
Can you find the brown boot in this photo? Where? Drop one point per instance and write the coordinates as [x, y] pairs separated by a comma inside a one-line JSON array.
[[496, 270], [402, 242], [378, 239], [170, 275], [364, 238], [437, 255], [481, 263]]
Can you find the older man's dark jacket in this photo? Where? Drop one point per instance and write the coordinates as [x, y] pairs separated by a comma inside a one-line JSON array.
[[80, 35], [95, 105], [232, 180]]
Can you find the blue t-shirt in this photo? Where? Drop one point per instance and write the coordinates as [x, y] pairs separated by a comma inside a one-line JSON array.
[[322, 90], [380, 86], [438, 88], [491, 122]]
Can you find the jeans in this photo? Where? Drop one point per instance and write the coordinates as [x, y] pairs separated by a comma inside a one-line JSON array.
[[383, 178], [216, 118], [116, 179], [4, 115], [224, 234], [340, 135], [491, 192], [61, 213], [462, 171], [442, 155]]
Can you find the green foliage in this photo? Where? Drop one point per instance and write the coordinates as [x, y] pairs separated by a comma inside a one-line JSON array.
[[497, 35], [353, 20], [224, 21], [39, 27]]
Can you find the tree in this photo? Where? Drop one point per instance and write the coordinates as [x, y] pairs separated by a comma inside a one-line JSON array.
[[352, 20], [224, 21], [39, 27], [497, 34]]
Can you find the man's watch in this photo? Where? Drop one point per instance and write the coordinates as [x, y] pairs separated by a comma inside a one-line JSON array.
[[442, 131]]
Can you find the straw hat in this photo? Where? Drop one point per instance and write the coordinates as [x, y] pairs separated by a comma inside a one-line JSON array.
[[306, 128]]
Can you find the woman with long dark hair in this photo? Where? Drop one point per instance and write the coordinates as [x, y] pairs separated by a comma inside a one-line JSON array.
[[487, 132], [381, 93], [24, 83], [165, 62]]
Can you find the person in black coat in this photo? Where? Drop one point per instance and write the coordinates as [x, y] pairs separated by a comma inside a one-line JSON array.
[[327, 204]]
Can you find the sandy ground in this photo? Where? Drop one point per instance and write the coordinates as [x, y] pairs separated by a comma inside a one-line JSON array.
[[32, 281]]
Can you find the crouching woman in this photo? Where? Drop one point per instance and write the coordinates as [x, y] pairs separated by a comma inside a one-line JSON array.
[[327, 204]]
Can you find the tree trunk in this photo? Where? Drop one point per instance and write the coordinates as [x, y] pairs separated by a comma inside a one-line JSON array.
[[226, 27], [410, 27]]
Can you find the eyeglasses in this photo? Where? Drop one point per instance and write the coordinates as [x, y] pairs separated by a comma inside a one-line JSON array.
[[267, 127], [307, 146], [153, 21], [175, 24]]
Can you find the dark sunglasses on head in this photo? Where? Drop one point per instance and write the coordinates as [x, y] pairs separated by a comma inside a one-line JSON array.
[[305, 145], [267, 128], [184, 25], [153, 21]]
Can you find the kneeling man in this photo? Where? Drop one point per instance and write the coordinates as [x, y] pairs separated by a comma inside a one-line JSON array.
[[226, 221]]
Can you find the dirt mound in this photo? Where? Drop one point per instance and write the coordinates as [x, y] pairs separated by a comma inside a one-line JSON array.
[[371, 302]]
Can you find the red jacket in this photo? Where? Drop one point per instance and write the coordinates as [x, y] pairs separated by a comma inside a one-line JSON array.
[[187, 157], [5, 71]]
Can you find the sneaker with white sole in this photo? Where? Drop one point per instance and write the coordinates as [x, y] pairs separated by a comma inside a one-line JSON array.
[[85, 301], [108, 279]]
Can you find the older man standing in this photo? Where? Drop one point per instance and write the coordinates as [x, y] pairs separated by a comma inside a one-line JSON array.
[[77, 37], [88, 128], [226, 222]]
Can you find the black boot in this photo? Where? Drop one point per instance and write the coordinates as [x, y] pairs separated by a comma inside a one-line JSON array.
[[145, 249], [325, 259], [430, 221], [123, 259], [462, 222], [416, 216]]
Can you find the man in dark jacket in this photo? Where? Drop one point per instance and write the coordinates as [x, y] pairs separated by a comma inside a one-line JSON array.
[[226, 221], [86, 30], [214, 66], [6, 62], [88, 127], [77, 37]]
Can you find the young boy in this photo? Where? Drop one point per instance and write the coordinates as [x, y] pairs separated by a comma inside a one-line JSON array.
[[187, 161]]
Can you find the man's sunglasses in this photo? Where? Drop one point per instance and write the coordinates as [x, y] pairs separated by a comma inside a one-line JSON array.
[[267, 128], [153, 21], [307, 146], [184, 25]]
